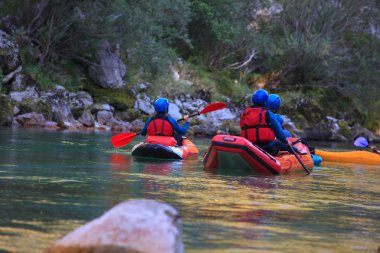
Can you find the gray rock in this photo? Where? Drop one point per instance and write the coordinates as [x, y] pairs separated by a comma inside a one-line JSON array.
[[204, 130], [120, 126], [109, 71], [29, 93], [137, 125], [101, 107], [35, 105], [87, 119], [9, 57], [85, 98], [191, 106], [140, 88], [19, 82], [144, 104], [51, 125], [62, 113], [31, 120], [61, 92], [216, 118], [132, 226], [80, 101], [104, 117], [174, 111], [291, 126]]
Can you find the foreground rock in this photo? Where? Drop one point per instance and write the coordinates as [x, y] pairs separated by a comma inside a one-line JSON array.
[[132, 226]]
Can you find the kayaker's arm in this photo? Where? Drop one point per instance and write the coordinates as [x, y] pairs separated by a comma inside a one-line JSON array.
[[144, 130], [177, 127], [275, 125], [374, 149]]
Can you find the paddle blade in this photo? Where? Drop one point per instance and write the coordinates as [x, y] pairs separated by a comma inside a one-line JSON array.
[[213, 107], [120, 140], [361, 142]]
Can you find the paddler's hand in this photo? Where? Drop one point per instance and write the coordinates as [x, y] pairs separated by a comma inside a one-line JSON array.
[[186, 118], [294, 148]]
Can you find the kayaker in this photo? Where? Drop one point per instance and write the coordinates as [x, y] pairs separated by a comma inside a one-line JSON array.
[[162, 124], [280, 120], [260, 126], [362, 142]]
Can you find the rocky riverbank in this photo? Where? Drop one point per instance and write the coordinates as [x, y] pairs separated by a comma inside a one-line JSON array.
[[124, 108]]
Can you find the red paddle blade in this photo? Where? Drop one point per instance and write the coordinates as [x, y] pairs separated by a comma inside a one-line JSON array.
[[122, 139], [213, 107]]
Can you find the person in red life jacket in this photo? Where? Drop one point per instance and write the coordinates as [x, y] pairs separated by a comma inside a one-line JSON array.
[[260, 126], [163, 125]]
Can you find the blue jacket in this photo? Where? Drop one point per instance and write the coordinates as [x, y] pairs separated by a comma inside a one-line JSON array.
[[276, 127], [177, 128]]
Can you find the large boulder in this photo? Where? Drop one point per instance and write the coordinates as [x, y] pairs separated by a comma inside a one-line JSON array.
[[134, 226], [109, 70], [28, 93], [31, 120], [35, 105]]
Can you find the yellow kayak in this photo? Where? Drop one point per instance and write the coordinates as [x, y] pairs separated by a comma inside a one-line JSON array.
[[362, 157]]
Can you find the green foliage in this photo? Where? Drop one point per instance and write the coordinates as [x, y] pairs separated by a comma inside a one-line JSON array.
[[72, 30], [218, 30], [44, 79], [344, 129], [121, 99], [49, 76], [311, 45]]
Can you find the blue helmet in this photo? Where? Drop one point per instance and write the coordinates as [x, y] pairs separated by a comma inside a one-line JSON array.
[[274, 102], [361, 142], [161, 105], [280, 119], [260, 97]]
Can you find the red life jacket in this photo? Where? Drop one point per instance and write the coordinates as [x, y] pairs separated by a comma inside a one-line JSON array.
[[160, 125], [254, 126]]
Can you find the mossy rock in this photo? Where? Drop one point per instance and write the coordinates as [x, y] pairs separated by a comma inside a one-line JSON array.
[[121, 99], [6, 111], [344, 129], [36, 105]]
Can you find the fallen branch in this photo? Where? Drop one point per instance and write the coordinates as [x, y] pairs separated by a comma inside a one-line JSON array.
[[10, 76], [250, 57]]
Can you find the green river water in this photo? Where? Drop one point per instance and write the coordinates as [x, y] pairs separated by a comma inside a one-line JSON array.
[[53, 182]]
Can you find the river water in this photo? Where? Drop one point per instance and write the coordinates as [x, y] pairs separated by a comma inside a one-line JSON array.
[[53, 182]]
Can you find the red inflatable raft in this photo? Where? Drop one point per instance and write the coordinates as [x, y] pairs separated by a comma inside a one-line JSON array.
[[229, 152]]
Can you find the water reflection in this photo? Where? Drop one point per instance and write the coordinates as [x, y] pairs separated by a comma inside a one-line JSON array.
[[51, 183]]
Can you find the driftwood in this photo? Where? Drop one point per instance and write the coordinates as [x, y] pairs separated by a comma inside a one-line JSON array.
[[238, 65], [11, 75]]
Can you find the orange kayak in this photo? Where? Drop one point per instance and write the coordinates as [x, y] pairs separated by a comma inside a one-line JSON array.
[[361, 157]]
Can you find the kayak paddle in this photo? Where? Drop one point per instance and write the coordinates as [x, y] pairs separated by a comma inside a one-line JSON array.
[[120, 140], [299, 160], [210, 108], [123, 139]]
